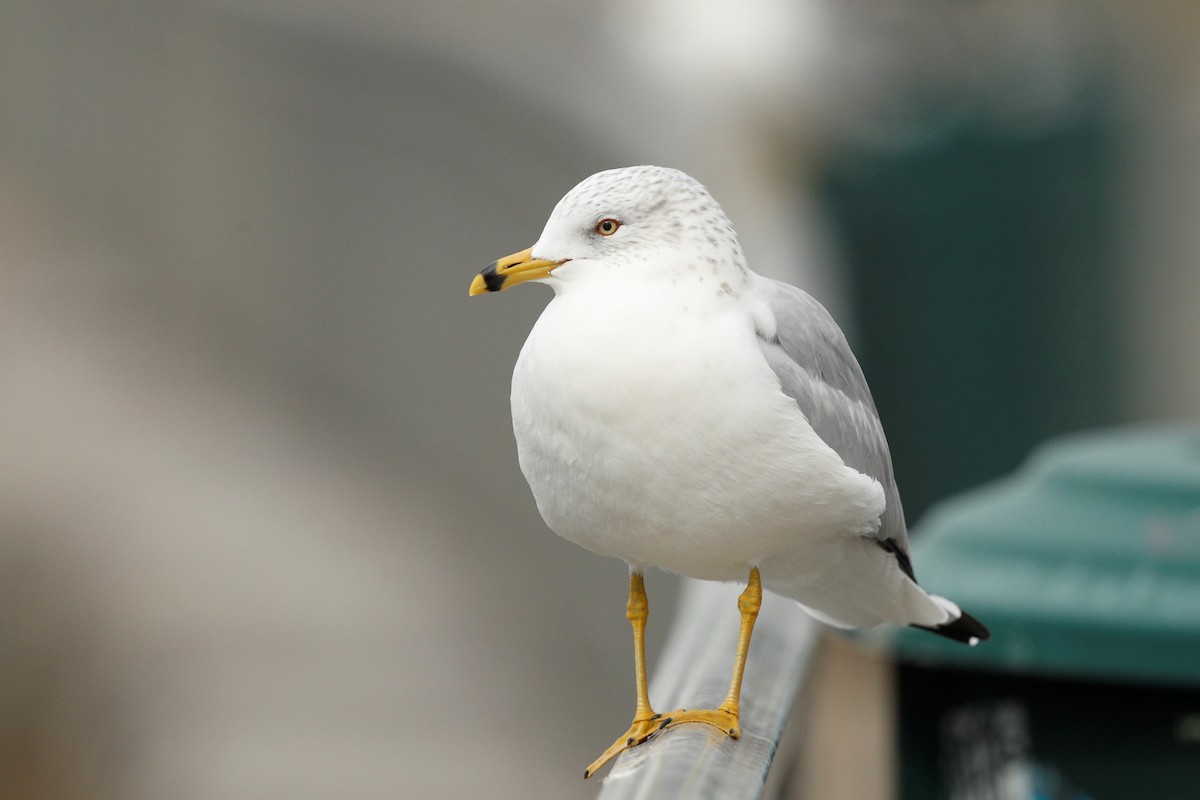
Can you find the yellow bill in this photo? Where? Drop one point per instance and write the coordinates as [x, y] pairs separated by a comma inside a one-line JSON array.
[[511, 270]]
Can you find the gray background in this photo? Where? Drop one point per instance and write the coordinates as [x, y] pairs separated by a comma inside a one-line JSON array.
[[261, 528]]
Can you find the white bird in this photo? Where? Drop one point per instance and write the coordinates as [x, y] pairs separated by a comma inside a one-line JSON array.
[[672, 408]]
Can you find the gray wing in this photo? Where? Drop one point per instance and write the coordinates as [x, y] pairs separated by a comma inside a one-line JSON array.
[[810, 356]]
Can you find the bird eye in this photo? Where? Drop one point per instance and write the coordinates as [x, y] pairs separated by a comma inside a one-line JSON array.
[[607, 226]]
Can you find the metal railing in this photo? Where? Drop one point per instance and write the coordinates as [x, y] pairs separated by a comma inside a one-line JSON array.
[[698, 761]]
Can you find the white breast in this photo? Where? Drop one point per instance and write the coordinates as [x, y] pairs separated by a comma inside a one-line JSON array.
[[638, 439]]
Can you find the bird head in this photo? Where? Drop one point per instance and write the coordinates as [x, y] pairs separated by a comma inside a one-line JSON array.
[[635, 224]]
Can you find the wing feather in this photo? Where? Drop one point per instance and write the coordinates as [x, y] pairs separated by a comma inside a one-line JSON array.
[[815, 367]]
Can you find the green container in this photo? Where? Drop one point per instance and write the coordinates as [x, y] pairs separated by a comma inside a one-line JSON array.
[[1085, 564]]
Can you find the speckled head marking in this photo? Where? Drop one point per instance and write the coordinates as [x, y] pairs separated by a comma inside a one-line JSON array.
[[670, 227]]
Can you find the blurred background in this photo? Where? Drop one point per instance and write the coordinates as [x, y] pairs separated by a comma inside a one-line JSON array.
[[262, 533]]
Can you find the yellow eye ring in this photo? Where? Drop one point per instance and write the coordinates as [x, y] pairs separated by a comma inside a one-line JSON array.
[[607, 226]]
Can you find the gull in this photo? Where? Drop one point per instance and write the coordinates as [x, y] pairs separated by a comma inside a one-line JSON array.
[[674, 409]]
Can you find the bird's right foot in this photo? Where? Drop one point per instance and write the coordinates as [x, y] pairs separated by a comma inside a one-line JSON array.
[[642, 729]]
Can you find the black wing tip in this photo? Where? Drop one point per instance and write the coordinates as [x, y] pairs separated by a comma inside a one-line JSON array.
[[965, 629], [892, 545]]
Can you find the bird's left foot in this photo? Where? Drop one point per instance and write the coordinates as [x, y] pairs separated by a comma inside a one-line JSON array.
[[723, 718]]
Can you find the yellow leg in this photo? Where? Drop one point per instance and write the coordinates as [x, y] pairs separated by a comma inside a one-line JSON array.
[[646, 722], [726, 715]]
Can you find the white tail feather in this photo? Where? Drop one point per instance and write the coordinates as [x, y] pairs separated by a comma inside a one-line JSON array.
[[928, 609]]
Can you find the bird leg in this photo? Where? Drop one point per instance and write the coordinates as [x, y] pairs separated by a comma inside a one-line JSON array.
[[749, 602], [647, 723], [725, 716]]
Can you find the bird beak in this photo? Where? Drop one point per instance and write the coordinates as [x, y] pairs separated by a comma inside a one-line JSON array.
[[511, 270]]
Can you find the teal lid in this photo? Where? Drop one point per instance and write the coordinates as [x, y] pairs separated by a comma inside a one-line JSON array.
[[1086, 562]]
